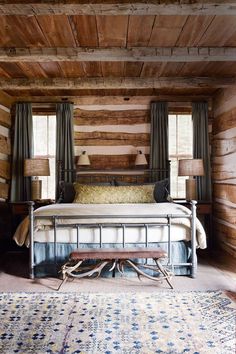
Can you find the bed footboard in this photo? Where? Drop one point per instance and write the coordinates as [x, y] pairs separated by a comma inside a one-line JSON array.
[[124, 225]]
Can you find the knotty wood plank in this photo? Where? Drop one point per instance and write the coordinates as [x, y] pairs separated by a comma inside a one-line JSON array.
[[5, 118], [112, 69], [136, 37], [51, 69], [4, 190], [85, 30], [222, 175], [225, 160], [71, 69], [20, 31], [110, 142], [193, 30], [112, 30], [223, 147], [226, 213], [5, 145], [6, 100], [125, 7], [82, 117], [223, 231], [4, 169], [225, 191], [215, 37], [13, 70], [224, 121], [57, 30], [116, 83], [113, 161], [107, 138], [166, 30], [224, 101], [32, 70]]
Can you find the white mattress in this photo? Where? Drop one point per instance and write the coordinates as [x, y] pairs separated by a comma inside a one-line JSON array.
[[114, 235], [120, 213]]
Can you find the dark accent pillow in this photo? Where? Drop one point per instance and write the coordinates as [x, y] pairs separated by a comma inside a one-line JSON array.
[[161, 190], [67, 192]]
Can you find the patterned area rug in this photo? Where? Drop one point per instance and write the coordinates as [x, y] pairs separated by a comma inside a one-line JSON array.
[[162, 322]]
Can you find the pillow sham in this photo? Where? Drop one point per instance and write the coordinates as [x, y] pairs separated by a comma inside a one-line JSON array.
[[161, 189], [87, 194], [68, 190]]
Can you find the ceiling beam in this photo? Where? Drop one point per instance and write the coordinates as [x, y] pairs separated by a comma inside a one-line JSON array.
[[116, 83], [113, 100], [133, 54], [125, 7]]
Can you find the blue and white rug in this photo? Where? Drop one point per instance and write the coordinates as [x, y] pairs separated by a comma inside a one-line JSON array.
[[162, 322]]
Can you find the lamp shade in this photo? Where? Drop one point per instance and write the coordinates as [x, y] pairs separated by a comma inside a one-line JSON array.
[[36, 167], [191, 167], [83, 159], [140, 159]]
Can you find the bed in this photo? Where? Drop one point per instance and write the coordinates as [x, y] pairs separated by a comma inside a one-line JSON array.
[[114, 216]]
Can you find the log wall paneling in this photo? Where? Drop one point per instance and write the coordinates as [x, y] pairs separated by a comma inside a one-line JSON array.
[[105, 117], [223, 168], [112, 138], [4, 190], [5, 145], [5, 118], [4, 169]]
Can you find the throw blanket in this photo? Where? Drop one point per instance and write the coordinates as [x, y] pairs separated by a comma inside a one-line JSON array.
[[142, 213]]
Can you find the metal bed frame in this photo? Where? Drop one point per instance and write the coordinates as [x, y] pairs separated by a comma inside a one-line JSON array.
[[108, 175], [168, 221]]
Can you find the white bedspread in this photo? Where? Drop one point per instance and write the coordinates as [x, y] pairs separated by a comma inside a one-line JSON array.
[[121, 212]]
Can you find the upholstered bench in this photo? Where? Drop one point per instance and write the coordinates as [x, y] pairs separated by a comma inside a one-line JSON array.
[[117, 258]]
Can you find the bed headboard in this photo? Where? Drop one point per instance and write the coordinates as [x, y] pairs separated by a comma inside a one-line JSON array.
[[108, 175]]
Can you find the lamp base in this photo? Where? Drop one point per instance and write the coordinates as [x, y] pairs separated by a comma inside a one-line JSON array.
[[36, 189], [191, 193]]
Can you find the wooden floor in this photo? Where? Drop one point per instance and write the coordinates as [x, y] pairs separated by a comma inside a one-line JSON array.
[[217, 271]]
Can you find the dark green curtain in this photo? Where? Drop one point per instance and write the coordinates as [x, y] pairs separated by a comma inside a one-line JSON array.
[[201, 148], [65, 142], [159, 154], [22, 149]]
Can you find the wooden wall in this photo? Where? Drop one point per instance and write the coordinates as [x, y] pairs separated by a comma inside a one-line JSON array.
[[5, 145], [224, 168], [112, 137]]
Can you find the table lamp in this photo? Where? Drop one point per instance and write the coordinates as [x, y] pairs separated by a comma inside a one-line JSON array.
[[191, 168], [36, 167]]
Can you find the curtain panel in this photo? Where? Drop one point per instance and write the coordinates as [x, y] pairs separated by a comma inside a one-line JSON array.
[[22, 149], [201, 148], [65, 142], [159, 152]]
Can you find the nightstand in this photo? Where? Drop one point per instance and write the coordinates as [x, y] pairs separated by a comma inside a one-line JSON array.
[[204, 213], [19, 210]]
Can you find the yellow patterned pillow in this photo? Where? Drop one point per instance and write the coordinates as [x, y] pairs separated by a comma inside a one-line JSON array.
[[88, 194]]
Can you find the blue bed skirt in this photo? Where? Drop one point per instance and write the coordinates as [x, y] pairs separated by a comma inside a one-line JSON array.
[[47, 265]]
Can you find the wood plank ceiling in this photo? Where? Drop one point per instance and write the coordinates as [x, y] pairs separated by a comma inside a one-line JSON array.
[[115, 49]]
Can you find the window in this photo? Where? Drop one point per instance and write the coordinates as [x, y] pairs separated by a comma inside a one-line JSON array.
[[44, 130], [180, 147]]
